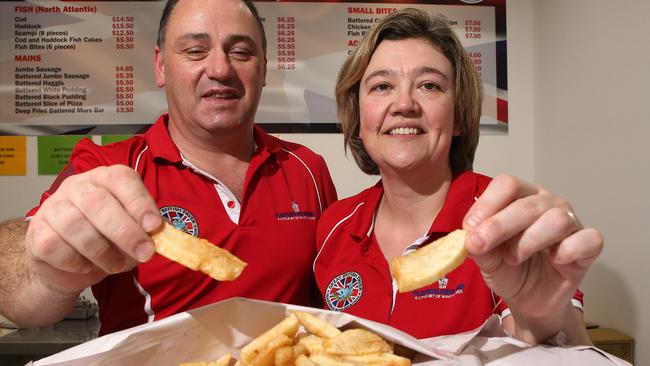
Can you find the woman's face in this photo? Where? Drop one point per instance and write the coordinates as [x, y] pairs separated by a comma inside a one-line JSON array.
[[406, 104]]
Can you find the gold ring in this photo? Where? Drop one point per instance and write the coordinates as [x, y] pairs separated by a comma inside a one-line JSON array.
[[576, 224]]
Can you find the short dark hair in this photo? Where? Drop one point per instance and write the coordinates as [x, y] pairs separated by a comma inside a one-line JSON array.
[[171, 4]]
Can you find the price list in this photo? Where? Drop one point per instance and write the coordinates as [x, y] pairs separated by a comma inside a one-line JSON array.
[[124, 89], [79, 63], [123, 32], [84, 62], [286, 43], [472, 29]]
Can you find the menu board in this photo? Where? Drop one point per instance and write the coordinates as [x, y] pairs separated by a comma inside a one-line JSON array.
[[86, 67]]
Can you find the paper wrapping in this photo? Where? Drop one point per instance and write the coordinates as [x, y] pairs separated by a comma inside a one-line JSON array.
[[207, 333]]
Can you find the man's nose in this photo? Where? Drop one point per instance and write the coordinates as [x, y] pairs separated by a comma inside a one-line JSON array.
[[219, 66]]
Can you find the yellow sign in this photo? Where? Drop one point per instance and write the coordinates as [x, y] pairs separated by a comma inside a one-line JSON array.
[[13, 155]]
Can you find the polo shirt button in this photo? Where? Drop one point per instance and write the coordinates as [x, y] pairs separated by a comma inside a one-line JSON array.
[[231, 204]]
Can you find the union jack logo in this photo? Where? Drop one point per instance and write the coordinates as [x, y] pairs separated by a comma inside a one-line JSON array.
[[344, 291], [181, 219]]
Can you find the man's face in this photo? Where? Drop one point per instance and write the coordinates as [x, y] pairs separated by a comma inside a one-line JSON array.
[[212, 66]]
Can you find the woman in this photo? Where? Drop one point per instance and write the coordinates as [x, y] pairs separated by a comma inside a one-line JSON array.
[[409, 101]]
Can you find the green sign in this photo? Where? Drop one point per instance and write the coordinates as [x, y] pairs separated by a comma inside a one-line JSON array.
[[54, 152], [109, 139]]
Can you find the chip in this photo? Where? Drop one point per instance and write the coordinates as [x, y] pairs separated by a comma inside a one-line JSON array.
[[287, 327], [356, 342], [322, 359], [430, 262], [383, 359], [303, 360], [222, 361], [285, 345], [196, 253], [316, 325]]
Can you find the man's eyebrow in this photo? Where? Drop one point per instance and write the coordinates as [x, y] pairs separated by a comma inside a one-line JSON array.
[[191, 37], [235, 38]]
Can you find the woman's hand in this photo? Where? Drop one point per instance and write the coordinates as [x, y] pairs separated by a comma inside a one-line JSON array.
[[532, 251]]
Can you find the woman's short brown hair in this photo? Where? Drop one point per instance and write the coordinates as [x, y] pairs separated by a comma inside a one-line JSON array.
[[405, 24]]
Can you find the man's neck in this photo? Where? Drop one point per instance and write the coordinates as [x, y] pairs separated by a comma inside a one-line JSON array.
[[224, 155]]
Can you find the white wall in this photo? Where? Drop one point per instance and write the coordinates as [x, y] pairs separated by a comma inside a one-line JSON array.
[[577, 72], [591, 77]]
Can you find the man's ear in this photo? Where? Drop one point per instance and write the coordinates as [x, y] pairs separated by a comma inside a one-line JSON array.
[[159, 66]]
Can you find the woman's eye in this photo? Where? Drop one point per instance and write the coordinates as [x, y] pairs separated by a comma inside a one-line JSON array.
[[381, 87], [430, 86]]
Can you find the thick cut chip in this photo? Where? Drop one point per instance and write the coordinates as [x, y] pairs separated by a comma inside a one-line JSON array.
[[266, 355], [383, 359], [222, 361], [197, 254], [300, 349], [429, 263], [322, 345], [322, 359], [284, 356], [303, 360], [312, 343], [288, 327], [316, 325], [356, 342]]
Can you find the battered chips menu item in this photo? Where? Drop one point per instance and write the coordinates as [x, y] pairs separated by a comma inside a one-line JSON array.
[[196, 253], [430, 262]]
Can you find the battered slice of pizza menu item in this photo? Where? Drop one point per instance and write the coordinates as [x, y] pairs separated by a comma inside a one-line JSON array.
[[196, 253], [430, 262]]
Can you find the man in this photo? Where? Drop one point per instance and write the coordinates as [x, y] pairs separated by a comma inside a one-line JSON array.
[[205, 167]]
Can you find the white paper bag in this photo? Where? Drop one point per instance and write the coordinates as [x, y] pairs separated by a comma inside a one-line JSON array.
[[209, 332]]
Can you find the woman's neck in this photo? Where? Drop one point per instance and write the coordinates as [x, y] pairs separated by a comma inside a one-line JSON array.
[[408, 207]]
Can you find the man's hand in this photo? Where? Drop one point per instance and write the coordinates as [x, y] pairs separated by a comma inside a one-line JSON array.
[[95, 224], [532, 252]]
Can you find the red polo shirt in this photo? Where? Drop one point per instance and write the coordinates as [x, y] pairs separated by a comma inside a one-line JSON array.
[[286, 188], [353, 274]]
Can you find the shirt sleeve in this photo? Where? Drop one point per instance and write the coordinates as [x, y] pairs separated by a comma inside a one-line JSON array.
[[501, 308], [327, 187]]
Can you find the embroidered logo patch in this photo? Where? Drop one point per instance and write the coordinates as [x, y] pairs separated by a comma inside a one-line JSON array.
[[344, 291], [442, 292], [296, 214], [181, 218]]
